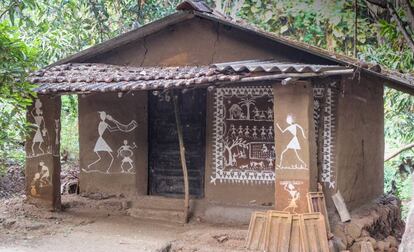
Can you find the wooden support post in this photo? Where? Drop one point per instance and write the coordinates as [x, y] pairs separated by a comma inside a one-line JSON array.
[[182, 158]]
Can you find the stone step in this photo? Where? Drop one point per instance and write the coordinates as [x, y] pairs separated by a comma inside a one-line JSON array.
[[157, 208], [157, 202], [167, 215]]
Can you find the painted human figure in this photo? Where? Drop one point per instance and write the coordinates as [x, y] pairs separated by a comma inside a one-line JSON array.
[[294, 197], [240, 131], [294, 142], [263, 132], [125, 151], [262, 116], [269, 114], [254, 131], [233, 130], [57, 127], [270, 132], [41, 130], [265, 150], [247, 131], [256, 113], [101, 145], [40, 179]]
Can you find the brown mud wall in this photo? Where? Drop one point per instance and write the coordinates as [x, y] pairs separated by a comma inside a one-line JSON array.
[[197, 42], [360, 141], [42, 170], [120, 178]]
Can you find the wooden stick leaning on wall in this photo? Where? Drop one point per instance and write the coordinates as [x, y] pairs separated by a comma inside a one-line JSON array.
[[182, 157]]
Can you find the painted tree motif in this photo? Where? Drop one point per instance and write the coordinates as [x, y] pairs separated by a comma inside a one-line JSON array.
[[229, 145], [247, 102]]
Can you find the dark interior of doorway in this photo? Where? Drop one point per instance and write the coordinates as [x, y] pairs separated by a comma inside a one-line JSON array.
[[165, 172]]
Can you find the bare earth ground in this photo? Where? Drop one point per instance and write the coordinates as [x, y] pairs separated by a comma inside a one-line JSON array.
[[101, 225]]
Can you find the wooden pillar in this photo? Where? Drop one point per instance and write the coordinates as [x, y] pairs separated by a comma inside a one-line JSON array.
[[43, 153], [294, 145]]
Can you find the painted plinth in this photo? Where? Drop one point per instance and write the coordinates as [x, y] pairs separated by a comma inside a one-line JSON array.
[[294, 135], [42, 152]]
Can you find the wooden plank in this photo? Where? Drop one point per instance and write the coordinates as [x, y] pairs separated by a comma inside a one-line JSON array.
[[278, 230], [316, 203], [256, 234], [296, 239], [313, 230], [341, 207]]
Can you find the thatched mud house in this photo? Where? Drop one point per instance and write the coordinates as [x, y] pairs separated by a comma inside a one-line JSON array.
[[263, 120]]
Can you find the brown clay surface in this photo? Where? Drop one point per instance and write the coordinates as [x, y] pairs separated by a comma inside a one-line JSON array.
[[86, 225]]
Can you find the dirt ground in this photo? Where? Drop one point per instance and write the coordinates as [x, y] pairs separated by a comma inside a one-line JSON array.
[[101, 225]]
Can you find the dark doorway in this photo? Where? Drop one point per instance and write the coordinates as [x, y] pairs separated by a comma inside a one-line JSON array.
[[165, 172]]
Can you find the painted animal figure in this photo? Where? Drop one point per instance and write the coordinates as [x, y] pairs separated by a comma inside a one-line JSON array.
[[257, 165]]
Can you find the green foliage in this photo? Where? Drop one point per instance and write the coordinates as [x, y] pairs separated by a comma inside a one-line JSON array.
[[16, 60], [70, 132]]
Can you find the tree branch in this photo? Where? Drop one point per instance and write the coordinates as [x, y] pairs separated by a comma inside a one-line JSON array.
[[409, 12], [394, 154], [401, 26], [394, 15], [380, 3]]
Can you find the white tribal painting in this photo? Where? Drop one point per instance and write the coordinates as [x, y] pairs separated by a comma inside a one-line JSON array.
[[243, 150], [228, 134], [324, 116], [108, 123], [293, 146], [41, 180], [39, 145]]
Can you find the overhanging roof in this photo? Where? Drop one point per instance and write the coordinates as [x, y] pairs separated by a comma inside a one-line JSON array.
[[88, 77], [402, 82]]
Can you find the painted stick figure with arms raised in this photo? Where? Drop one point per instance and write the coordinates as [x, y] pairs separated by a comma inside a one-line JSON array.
[[125, 151]]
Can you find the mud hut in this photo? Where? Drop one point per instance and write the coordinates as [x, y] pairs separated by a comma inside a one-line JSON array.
[[263, 120]]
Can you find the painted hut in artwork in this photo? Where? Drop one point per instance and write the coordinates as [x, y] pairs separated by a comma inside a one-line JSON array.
[[263, 120]]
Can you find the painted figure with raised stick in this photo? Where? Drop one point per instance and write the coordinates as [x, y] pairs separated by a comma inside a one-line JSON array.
[[101, 145], [293, 144]]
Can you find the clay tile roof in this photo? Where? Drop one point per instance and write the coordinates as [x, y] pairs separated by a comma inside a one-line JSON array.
[[194, 5], [88, 77]]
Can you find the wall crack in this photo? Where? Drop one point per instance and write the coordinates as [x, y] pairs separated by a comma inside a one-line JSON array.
[[144, 44], [215, 44]]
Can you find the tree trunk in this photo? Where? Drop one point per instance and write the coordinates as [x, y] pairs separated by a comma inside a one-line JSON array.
[[394, 154], [409, 12], [182, 158]]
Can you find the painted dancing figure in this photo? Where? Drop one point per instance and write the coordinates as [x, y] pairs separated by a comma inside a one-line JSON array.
[[125, 151], [41, 132], [294, 196], [294, 143], [101, 145]]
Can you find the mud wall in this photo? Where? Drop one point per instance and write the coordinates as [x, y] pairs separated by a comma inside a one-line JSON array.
[[360, 141], [198, 42], [113, 143]]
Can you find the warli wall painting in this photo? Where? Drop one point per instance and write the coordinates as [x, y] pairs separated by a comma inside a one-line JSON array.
[[243, 134], [324, 109]]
